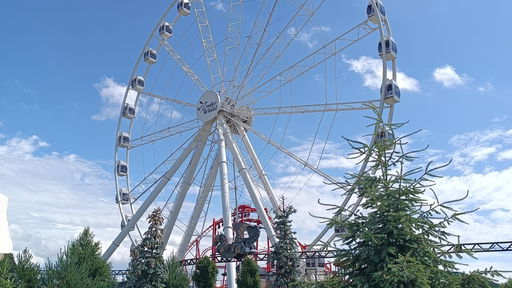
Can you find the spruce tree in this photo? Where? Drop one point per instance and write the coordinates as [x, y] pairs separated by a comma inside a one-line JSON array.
[[26, 271], [205, 274], [146, 268], [393, 239], [284, 254], [79, 265], [175, 275], [249, 275]]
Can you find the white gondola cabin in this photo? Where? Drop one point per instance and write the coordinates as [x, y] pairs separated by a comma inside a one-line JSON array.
[[385, 136], [391, 49], [391, 92], [121, 168], [137, 83], [315, 263], [128, 111], [165, 30], [123, 140], [150, 56], [184, 7], [371, 12], [123, 197], [339, 227], [123, 223]]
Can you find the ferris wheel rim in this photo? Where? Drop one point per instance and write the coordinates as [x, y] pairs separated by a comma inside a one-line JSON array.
[[384, 29]]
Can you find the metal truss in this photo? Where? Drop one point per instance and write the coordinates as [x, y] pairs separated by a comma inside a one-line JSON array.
[[501, 246]]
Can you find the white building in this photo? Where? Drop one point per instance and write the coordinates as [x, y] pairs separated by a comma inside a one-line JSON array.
[[5, 236]]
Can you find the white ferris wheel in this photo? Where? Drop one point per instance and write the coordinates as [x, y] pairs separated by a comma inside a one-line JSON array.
[[241, 101]]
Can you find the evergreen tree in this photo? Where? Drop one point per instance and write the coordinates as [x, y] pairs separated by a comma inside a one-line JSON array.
[[249, 274], [25, 270], [284, 254], [393, 239], [146, 268], [205, 274], [7, 277], [79, 265], [507, 284], [175, 275]]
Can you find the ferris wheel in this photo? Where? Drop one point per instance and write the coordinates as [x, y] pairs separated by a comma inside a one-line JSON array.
[[241, 101]]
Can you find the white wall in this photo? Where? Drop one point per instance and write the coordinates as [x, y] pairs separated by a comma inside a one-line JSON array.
[[5, 236]]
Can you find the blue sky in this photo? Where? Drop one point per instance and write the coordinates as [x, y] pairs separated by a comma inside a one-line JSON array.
[[66, 61]]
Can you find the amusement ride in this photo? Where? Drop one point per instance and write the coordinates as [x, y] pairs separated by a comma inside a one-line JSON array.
[[234, 103]]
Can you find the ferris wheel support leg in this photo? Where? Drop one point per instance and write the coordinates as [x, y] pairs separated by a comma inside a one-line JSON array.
[[244, 172], [201, 201], [145, 205], [226, 209], [187, 182], [259, 168]]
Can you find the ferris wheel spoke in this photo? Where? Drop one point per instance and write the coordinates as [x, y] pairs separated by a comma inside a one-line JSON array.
[[205, 191], [164, 133], [156, 191], [184, 66], [290, 154], [316, 108], [247, 178], [187, 182], [315, 58], [232, 38], [259, 168], [304, 15], [168, 99], [260, 42], [210, 51]]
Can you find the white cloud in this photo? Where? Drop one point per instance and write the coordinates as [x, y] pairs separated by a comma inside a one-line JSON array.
[[308, 37], [448, 77], [487, 87], [218, 5], [52, 197], [112, 95], [505, 155], [371, 71]]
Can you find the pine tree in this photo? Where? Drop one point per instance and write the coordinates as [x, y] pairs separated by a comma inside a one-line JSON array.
[[284, 254], [249, 274], [205, 274], [7, 277], [393, 239], [175, 275], [79, 265], [146, 268], [26, 271]]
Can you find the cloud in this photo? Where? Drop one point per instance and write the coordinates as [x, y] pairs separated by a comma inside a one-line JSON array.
[[472, 149], [371, 71], [487, 87], [53, 196], [112, 95], [448, 77], [505, 155], [308, 37], [218, 5]]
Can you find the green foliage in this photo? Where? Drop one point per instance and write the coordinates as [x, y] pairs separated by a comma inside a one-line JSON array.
[[79, 266], [507, 284], [7, 277], [175, 275], [26, 271], [328, 283], [249, 274], [393, 239], [205, 274], [146, 268], [283, 254]]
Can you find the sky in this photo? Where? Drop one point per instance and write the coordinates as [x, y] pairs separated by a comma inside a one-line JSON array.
[[63, 84]]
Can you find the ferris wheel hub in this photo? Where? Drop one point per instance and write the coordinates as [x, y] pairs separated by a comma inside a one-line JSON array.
[[208, 106]]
